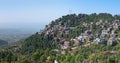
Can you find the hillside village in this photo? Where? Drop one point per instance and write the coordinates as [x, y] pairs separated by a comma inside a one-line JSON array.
[[107, 34], [73, 38], [74, 33]]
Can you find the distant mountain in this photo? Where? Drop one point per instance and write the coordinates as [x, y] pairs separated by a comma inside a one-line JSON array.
[[2, 42]]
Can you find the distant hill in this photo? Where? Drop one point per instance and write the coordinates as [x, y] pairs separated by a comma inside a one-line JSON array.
[[2, 42]]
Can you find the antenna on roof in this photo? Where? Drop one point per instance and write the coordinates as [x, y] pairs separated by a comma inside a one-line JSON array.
[[70, 11]]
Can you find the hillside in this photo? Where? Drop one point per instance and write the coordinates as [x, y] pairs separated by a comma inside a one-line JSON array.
[[82, 38]]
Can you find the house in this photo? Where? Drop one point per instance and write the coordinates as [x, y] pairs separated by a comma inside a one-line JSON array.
[[104, 33], [100, 21], [119, 27], [48, 58], [113, 35], [98, 34], [76, 42], [115, 26], [100, 41], [81, 38], [91, 37], [103, 41], [111, 41], [108, 29], [97, 23], [87, 32], [63, 52], [85, 24], [66, 45], [91, 23], [106, 21], [97, 40], [113, 32], [56, 50], [87, 39]]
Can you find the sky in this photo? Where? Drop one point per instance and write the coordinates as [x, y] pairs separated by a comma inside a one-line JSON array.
[[35, 14]]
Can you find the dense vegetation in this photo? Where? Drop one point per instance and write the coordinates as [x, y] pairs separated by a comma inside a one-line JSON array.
[[45, 46]]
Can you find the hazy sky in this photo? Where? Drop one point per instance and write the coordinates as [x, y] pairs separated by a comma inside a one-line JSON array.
[[37, 13]]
